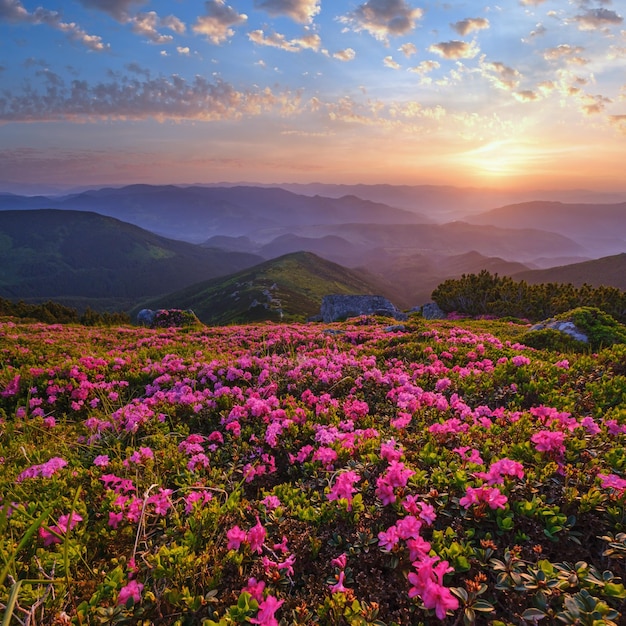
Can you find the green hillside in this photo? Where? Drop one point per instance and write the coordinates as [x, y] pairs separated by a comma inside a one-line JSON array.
[[81, 257], [288, 288]]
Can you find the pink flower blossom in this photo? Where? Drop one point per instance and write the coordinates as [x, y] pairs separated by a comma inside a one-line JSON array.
[[549, 441], [131, 591], [344, 487], [267, 608], [255, 589], [339, 586], [236, 537], [256, 537]]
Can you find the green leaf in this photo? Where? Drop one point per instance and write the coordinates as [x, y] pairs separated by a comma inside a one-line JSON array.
[[533, 615]]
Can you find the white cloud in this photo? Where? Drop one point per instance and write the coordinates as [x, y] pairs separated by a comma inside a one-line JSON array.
[[118, 9], [408, 49], [14, 11], [470, 24], [500, 75], [345, 55], [183, 50], [425, 67], [389, 62], [302, 11], [455, 49], [131, 98], [276, 40], [598, 19], [383, 18], [216, 24]]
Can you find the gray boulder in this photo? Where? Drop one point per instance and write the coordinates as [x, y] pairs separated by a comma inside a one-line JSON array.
[[340, 307], [431, 311], [145, 317], [564, 326]]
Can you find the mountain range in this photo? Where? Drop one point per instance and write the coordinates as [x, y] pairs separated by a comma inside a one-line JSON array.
[[115, 255]]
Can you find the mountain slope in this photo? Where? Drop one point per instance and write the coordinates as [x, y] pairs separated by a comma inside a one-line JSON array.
[[600, 228], [449, 239], [288, 288], [75, 254], [197, 213], [609, 271]]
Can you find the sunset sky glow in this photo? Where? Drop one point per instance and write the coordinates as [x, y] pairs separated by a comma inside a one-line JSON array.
[[520, 93]]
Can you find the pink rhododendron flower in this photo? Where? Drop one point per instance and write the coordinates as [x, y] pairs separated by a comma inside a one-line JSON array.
[[492, 496], [255, 589], [101, 460], [339, 586], [256, 537], [549, 441], [236, 537], [267, 609], [344, 487], [612, 481], [130, 591]]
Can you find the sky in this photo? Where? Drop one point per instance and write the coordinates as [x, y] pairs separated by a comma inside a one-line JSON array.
[[516, 94]]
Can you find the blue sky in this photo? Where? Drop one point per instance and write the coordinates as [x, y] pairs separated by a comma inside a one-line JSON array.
[[518, 93]]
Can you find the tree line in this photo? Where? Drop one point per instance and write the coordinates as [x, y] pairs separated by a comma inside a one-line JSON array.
[[55, 313], [501, 296]]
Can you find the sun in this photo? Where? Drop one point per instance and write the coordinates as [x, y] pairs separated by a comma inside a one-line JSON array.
[[498, 160]]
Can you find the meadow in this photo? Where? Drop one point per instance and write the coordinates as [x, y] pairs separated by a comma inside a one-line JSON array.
[[353, 473]]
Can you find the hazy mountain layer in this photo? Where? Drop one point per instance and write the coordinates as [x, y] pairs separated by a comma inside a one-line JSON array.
[[196, 213], [609, 271], [600, 228]]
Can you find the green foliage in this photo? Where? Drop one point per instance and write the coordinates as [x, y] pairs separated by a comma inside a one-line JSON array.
[[551, 339], [54, 313], [487, 294]]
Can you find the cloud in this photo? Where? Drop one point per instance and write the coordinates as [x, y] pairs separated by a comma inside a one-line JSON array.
[[14, 11], [276, 40], [526, 95], [598, 19], [455, 49], [389, 62], [127, 98], [470, 24], [345, 55], [502, 76], [145, 24], [302, 11], [118, 9], [383, 18], [425, 67], [533, 3], [592, 105], [184, 51], [408, 49], [216, 24], [619, 121], [570, 54]]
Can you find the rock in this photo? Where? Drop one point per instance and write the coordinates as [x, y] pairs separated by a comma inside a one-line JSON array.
[[145, 317], [564, 326], [431, 311], [167, 318], [396, 328], [340, 307]]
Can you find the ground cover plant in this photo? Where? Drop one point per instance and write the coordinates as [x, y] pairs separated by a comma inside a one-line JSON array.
[[355, 473]]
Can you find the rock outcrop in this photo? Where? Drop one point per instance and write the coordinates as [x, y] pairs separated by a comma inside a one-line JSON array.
[[566, 327], [431, 311], [167, 318], [340, 307]]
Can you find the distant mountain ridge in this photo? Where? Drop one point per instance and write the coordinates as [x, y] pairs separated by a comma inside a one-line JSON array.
[[194, 214], [608, 271], [600, 228]]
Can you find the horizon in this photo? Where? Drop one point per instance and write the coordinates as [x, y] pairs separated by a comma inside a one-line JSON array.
[[528, 95]]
